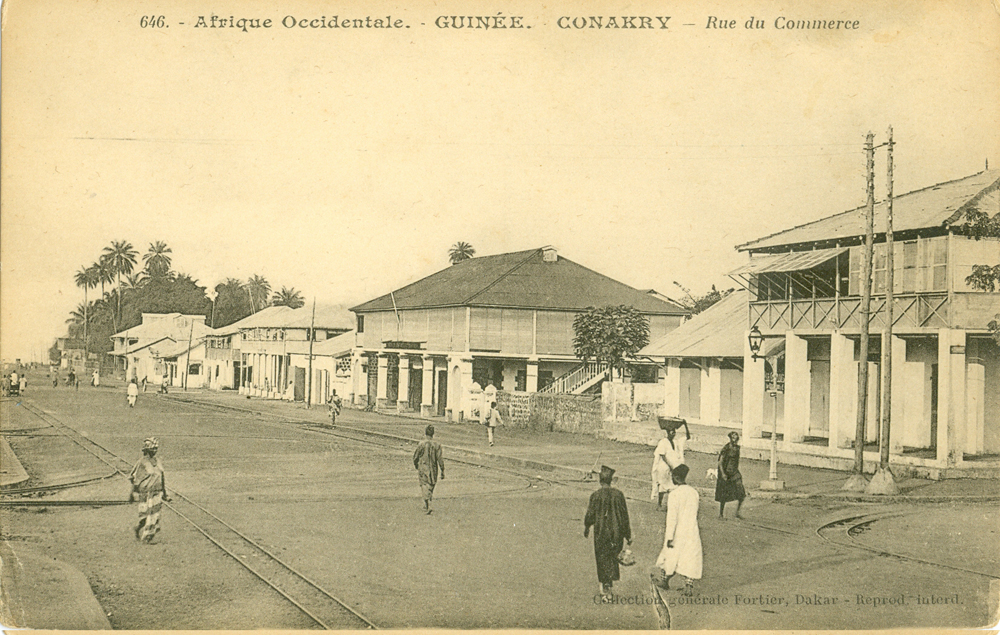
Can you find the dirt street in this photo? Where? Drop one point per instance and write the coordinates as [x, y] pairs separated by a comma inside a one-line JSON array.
[[501, 550]]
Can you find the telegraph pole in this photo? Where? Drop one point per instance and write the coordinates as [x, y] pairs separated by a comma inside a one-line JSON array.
[[882, 483], [857, 481], [312, 338], [187, 370]]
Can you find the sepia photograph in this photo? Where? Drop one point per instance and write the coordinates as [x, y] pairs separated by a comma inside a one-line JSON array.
[[572, 315]]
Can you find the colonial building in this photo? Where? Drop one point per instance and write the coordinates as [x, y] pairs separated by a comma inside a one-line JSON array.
[[701, 364], [152, 348], [268, 340], [503, 320], [804, 289]]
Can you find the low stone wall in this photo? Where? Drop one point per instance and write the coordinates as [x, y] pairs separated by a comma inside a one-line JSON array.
[[551, 412]]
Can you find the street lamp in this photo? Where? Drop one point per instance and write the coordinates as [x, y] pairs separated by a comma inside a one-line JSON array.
[[755, 339]]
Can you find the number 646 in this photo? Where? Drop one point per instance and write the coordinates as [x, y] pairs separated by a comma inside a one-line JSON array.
[[153, 21]]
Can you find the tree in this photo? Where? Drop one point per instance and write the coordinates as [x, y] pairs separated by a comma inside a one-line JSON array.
[[157, 260], [610, 335], [985, 277], [121, 256], [232, 302], [86, 278], [258, 289], [105, 275], [460, 251], [288, 297], [697, 304]]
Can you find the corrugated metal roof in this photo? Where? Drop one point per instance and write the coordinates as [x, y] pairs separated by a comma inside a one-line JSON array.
[[931, 207], [718, 331], [793, 261], [335, 346], [327, 317], [519, 280]]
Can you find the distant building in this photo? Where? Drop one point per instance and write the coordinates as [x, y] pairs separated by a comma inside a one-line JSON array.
[[266, 342], [152, 349], [503, 320]]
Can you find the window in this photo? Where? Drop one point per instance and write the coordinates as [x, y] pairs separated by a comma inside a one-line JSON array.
[[194, 369], [361, 324]]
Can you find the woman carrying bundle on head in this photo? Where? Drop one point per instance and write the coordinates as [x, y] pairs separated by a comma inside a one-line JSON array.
[[669, 453]]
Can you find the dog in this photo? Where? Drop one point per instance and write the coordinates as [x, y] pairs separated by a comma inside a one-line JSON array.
[[711, 474]]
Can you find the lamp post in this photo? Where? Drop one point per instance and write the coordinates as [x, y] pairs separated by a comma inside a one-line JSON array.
[[756, 340]]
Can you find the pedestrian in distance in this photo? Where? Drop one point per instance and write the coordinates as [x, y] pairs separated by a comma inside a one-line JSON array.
[[23, 386], [149, 489], [491, 419], [428, 461], [607, 513], [5, 385], [132, 393], [335, 405], [729, 481], [95, 379], [71, 378], [681, 553], [55, 380], [669, 453]]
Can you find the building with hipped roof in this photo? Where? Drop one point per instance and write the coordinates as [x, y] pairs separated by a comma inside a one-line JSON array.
[[504, 320], [803, 289]]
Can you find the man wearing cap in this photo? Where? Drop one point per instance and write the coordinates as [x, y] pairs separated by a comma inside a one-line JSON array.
[[607, 513], [427, 460], [149, 488], [681, 552]]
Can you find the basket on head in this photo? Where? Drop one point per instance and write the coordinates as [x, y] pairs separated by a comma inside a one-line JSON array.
[[670, 423]]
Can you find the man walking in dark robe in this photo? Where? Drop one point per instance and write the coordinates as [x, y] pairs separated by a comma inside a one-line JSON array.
[[607, 513], [428, 461]]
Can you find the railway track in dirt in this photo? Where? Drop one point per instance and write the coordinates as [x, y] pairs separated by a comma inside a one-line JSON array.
[[308, 596], [846, 532]]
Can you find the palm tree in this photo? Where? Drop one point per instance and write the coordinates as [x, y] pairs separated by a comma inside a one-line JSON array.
[[103, 272], [258, 288], [121, 256], [288, 297], [87, 278], [460, 251], [156, 259]]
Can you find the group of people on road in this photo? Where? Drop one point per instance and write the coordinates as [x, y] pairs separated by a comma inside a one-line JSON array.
[[681, 554], [14, 384]]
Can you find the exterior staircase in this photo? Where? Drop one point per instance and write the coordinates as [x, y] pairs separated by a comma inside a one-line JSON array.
[[578, 379]]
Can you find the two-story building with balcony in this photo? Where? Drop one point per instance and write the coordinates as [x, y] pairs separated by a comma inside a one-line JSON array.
[[504, 320], [268, 339], [804, 289]]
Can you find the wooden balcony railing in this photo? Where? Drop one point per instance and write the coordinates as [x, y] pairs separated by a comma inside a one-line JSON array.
[[919, 310]]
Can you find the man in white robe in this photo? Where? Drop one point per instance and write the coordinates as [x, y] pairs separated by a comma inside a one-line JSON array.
[[681, 552]]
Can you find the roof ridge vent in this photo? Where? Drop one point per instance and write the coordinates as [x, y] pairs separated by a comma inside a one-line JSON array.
[[549, 254]]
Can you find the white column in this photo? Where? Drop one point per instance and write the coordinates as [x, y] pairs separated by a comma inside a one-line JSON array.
[[900, 395], [951, 397], [975, 388], [359, 380], [427, 398], [672, 389], [403, 393], [753, 392], [797, 388], [531, 375], [711, 391], [381, 388], [843, 391]]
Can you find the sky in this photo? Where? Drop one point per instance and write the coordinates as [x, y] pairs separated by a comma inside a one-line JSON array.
[[345, 162]]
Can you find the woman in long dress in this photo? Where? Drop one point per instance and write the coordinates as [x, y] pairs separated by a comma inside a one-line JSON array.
[[729, 483], [669, 453], [149, 488]]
